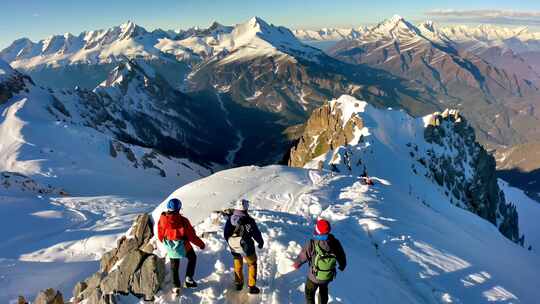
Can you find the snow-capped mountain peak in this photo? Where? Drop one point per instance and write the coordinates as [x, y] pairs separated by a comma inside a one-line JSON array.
[[396, 22], [256, 27], [256, 38], [127, 79], [121, 73], [129, 30]]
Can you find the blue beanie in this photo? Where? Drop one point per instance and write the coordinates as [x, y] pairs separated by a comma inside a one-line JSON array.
[[174, 204]]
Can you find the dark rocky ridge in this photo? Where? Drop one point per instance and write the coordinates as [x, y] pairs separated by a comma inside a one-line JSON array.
[[481, 193], [12, 85]]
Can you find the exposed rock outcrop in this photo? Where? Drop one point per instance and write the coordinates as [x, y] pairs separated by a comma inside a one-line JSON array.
[[324, 131], [12, 84], [49, 296], [130, 268]]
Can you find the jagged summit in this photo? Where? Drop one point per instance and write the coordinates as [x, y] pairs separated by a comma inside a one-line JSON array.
[[126, 70], [392, 24]]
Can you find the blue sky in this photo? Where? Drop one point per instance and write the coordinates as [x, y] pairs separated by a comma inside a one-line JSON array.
[[37, 19]]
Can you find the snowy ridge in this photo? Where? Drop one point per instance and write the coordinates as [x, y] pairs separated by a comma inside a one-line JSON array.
[[330, 34], [440, 147], [92, 47]]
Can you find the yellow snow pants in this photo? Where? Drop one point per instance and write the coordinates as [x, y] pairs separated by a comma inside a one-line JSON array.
[[251, 261]]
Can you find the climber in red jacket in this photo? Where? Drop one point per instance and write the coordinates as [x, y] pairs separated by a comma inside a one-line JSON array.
[[177, 235]]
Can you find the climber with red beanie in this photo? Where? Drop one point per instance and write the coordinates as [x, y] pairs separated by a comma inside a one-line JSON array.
[[324, 254]]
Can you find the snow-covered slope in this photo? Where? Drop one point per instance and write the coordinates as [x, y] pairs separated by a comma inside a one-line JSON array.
[[396, 232], [529, 213], [68, 188], [397, 239], [53, 138]]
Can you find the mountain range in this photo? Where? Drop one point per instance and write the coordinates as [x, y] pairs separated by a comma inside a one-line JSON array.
[[267, 80], [489, 72]]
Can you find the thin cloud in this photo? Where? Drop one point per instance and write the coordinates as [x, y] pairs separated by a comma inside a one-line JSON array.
[[486, 16], [35, 15]]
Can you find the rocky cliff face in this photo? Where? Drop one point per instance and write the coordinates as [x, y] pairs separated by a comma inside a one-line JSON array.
[[11, 82], [469, 173], [130, 268], [324, 131], [442, 147]]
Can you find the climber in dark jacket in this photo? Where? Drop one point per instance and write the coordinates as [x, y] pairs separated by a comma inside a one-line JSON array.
[[328, 244], [241, 232]]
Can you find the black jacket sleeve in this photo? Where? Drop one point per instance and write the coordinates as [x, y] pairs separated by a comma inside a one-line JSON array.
[[228, 230], [340, 253], [256, 233]]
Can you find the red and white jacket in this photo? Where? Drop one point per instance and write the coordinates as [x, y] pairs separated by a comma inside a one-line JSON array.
[[174, 227]]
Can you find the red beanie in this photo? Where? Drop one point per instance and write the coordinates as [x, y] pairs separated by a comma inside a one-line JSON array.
[[322, 227]]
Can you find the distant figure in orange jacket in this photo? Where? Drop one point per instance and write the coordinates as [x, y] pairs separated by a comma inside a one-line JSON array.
[[177, 235]]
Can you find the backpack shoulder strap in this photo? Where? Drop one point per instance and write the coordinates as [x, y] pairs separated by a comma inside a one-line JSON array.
[[318, 248]]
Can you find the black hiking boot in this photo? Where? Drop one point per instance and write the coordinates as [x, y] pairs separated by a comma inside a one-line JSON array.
[[239, 287], [190, 283], [254, 290]]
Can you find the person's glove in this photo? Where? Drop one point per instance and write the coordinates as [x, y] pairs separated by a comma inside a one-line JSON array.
[[260, 245], [341, 268], [203, 246]]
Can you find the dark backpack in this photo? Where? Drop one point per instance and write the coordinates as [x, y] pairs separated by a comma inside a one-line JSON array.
[[324, 263], [236, 239]]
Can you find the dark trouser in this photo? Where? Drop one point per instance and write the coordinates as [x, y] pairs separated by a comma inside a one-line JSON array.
[[311, 290], [190, 270]]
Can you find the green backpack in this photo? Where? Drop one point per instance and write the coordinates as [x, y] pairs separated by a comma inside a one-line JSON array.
[[324, 264]]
